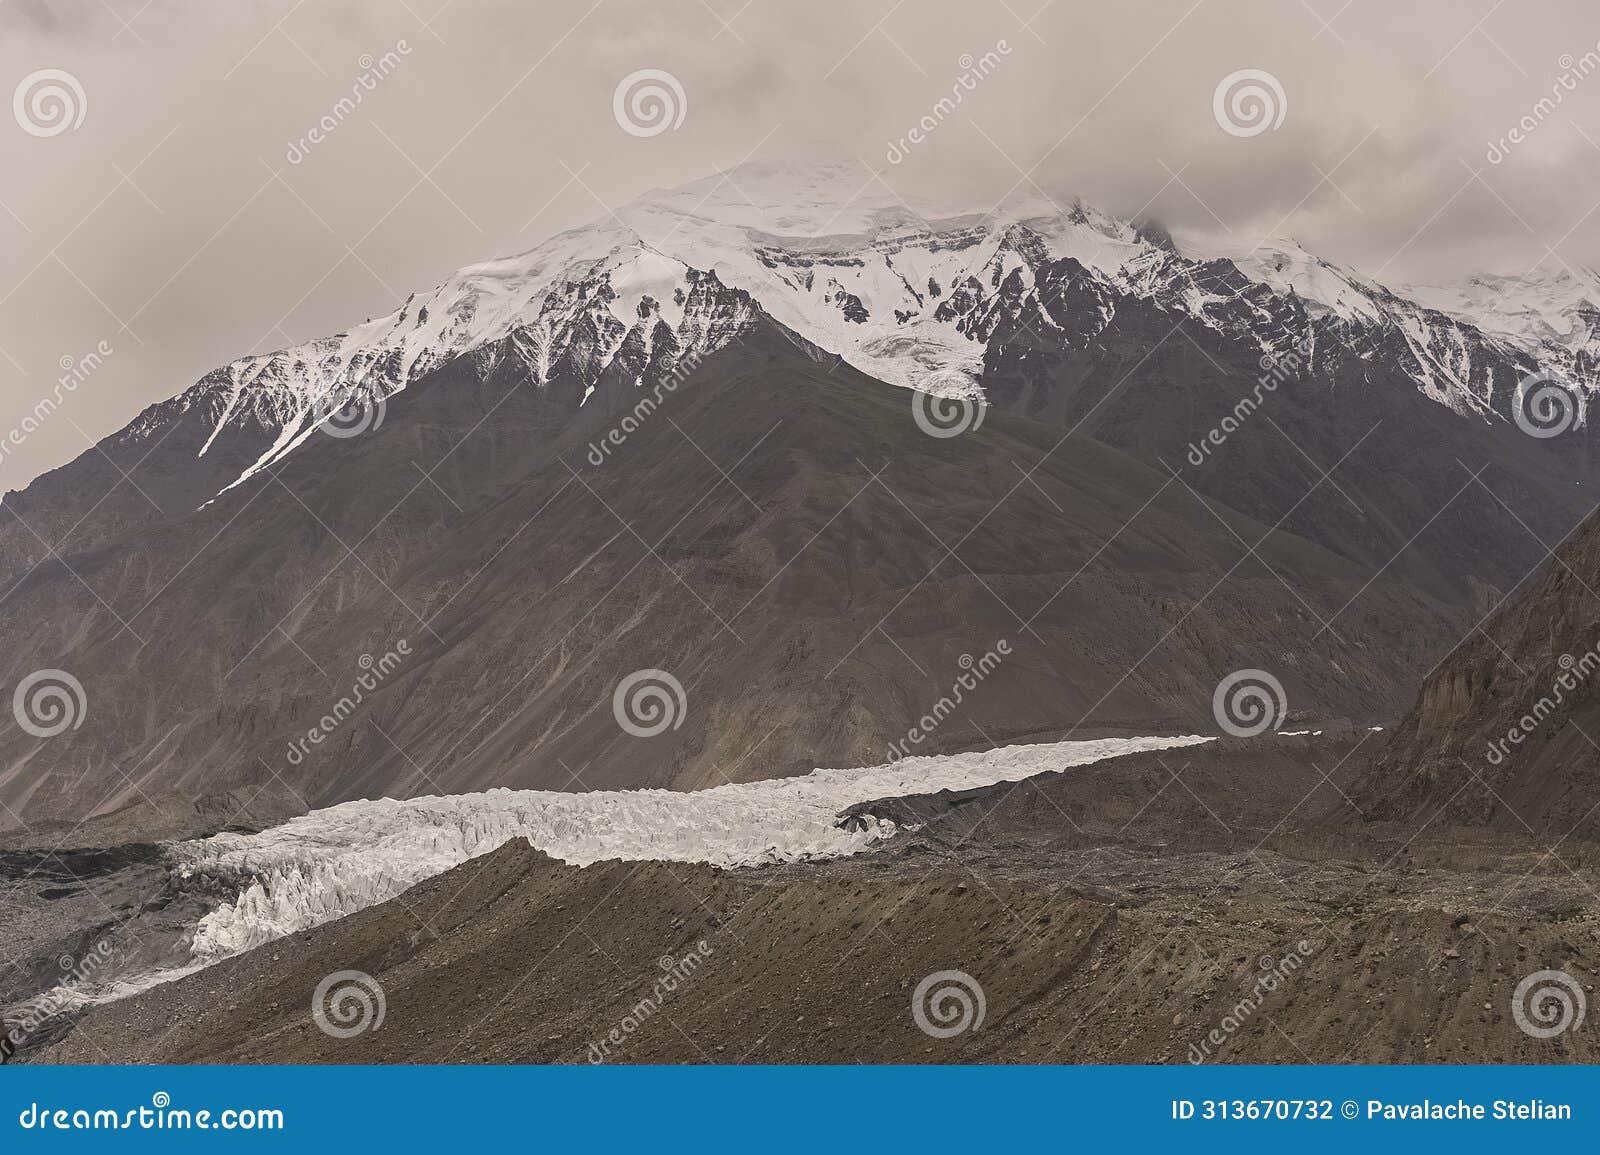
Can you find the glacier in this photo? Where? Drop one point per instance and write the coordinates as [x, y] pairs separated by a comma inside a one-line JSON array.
[[333, 862]]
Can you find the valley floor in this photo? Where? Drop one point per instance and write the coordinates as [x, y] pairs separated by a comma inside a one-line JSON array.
[[1221, 902]]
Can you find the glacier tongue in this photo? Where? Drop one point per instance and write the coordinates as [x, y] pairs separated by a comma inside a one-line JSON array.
[[334, 862]]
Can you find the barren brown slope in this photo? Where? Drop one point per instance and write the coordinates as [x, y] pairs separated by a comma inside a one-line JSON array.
[[1504, 731]]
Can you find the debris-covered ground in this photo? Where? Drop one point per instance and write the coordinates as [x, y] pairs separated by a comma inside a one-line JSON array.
[[1217, 903]]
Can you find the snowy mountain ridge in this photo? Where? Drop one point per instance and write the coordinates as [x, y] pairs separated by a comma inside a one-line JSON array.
[[927, 297]]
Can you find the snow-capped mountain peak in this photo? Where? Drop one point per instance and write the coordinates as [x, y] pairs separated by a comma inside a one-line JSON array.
[[1284, 265], [1543, 307], [915, 293]]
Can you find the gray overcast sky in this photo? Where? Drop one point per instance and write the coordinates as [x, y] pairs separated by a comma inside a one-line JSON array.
[[170, 224]]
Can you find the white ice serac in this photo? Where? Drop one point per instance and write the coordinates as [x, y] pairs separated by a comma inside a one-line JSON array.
[[334, 862]]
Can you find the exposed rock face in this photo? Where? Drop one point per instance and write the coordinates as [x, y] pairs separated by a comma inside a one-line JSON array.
[[1504, 731]]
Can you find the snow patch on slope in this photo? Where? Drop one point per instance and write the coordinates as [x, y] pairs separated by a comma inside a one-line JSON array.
[[1283, 265]]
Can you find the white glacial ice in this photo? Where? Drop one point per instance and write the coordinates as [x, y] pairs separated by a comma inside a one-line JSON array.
[[334, 862]]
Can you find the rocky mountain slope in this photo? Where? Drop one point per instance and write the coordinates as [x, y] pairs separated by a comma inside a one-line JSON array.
[[797, 578], [1504, 731], [773, 525]]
